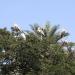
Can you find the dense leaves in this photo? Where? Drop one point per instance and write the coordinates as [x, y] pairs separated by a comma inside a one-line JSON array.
[[40, 54]]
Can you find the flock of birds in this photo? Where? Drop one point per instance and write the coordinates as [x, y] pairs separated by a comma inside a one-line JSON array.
[[20, 33]]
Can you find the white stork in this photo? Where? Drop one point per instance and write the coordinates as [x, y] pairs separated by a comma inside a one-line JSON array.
[[40, 30], [23, 35], [16, 28], [18, 32], [62, 30]]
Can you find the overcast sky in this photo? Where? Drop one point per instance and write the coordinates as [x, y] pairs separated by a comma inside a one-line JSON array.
[[25, 12]]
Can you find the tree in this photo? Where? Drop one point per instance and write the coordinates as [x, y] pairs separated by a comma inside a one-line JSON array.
[[40, 54], [49, 32]]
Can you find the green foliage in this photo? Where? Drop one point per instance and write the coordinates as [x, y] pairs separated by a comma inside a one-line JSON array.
[[38, 54]]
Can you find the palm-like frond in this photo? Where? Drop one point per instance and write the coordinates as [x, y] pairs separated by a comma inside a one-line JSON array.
[[64, 34], [34, 27], [53, 30], [57, 37], [49, 33]]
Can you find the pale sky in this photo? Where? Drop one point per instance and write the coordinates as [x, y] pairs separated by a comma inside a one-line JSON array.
[[25, 12]]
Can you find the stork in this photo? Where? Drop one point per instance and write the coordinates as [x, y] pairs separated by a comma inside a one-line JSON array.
[[18, 32], [16, 28], [62, 30], [23, 36], [40, 30]]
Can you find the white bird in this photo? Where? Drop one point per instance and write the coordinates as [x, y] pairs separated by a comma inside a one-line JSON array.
[[40, 30], [62, 30], [23, 36], [18, 32], [16, 28]]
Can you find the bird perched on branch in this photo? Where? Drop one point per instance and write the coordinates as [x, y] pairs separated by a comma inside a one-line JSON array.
[[40, 30], [18, 32], [16, 28]]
